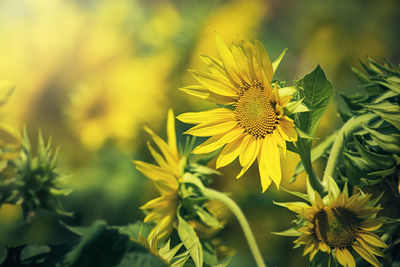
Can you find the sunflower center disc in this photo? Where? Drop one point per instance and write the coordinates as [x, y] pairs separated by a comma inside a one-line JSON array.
[[337, 227], [255, 111]]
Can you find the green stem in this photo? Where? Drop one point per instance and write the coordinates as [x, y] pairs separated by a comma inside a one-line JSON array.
[[350, 127], [212, 194]]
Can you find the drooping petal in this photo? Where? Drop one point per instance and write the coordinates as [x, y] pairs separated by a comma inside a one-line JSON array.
[[372, 239], [366, 255], [217, 141], [345, 258], [263, 169], [230, 152], [249, 152], [371, 224], [272, 159], [286, 129]]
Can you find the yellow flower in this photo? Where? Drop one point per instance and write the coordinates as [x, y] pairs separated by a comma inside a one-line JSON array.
[[162, 210], [254, 125], [338, 224]]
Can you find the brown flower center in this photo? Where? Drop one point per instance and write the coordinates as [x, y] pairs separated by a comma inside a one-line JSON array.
[[255, 111], [337, 227]]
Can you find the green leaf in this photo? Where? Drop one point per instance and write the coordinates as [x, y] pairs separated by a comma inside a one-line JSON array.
[[386, 138], [207, 218], [78, 230], [100, 246], [191, 241], [288, 232], [298, 194], [388, 111], [318, 92], [32, 251]]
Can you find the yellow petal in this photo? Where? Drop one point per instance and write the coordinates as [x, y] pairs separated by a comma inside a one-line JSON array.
[[158, 158], [345, 258], [287, 130], [248, 49], [264, 60], [228, 60], [297, 207], [171, 132], [217, 141], [249, 154], [310, 247], [263, 170], [372, 239], [370, 248], [270, 153], [155, 173], [230, 152], [154, 203], [216, 67], [241, 63], [371, 225], [213, 128], [366, 255], [324, 247], [203, 93], [207, 116], [213, 83], [171, 158], [280, 141]]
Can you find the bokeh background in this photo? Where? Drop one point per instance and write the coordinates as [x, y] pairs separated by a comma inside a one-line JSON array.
[[92, 73]]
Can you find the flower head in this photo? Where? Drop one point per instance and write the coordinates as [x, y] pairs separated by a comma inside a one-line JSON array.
[[162, 210], [338, 224], [255, 123]]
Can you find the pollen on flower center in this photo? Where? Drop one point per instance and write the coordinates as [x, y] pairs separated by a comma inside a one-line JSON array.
[[255, 111], [337, 227]]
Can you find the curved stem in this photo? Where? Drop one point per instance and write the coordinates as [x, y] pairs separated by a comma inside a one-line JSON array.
[[351, 126], [212, 194]]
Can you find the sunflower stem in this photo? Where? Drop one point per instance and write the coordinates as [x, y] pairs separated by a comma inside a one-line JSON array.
[[351, 126], [213, 194]]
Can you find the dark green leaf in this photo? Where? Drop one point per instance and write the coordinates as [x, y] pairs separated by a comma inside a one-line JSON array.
[[318, 91], [191, 241]]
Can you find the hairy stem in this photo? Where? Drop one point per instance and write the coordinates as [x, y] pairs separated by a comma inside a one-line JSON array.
[[350, 127], [212, 194]]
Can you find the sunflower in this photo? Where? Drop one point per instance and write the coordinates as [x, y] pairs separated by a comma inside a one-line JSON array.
[[338, 224], [162, 210], [255, 122]]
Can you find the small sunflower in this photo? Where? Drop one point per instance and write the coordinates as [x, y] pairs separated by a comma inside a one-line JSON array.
[[162, 210], [338, 224], [254, 124]]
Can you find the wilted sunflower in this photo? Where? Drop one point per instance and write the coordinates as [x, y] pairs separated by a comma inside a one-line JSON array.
[[338, 224], [255, 123], [162, 210]]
